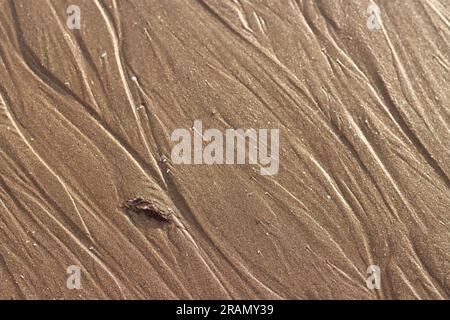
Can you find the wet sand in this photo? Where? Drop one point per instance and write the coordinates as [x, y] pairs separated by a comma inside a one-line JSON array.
[[364, 163]]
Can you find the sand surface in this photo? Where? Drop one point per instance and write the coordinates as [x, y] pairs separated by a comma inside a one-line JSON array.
[[364, 161]]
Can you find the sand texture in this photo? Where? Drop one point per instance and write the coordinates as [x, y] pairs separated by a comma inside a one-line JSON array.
[[87, 178]]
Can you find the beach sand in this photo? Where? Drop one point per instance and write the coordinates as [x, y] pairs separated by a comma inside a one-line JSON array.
[[86, 117]]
